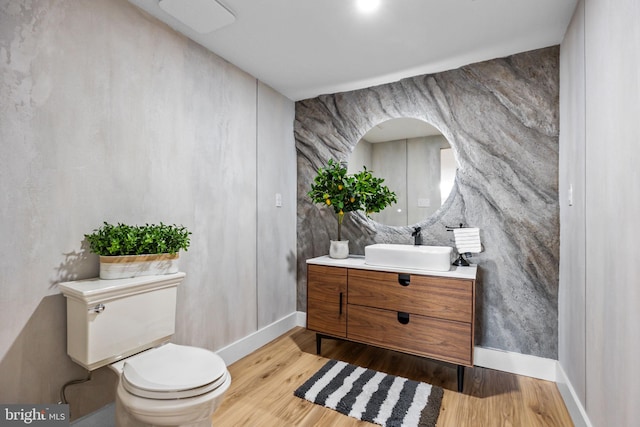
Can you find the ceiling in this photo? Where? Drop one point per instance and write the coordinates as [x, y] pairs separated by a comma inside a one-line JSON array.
[[305, 48], [399, 128]]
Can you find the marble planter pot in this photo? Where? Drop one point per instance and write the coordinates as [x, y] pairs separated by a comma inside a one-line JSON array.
[[339, 249], [121, 267]]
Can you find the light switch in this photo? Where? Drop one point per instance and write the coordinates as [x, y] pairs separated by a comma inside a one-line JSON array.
[[424, 203], [278, 200], [570, 194]]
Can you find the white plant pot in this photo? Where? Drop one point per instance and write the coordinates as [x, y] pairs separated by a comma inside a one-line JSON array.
[[339, 249], [121, 267]]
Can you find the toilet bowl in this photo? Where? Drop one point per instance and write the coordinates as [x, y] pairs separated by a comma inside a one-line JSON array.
[[171, 385], [127, 324]]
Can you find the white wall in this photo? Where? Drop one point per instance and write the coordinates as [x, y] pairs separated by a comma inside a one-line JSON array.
[[423, 176], [360, 157], [276, 165], [599, 337], [389, 162], [411, 168], [571, 294], [108, 115]]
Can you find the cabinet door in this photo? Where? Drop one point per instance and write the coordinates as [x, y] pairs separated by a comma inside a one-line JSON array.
[[327, 300]]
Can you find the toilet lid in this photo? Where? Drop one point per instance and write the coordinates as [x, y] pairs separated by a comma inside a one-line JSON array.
[[173, 372]]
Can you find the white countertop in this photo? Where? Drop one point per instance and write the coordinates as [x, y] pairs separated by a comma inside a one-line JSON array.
[[357, 261]]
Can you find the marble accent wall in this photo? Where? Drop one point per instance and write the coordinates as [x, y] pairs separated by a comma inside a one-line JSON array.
[[108, 115], [501, 118]]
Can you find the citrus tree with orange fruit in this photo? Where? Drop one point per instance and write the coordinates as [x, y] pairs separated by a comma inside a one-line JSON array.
[[361, 191]]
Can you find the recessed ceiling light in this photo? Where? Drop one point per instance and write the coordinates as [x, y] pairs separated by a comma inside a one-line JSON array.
[[368, 6]]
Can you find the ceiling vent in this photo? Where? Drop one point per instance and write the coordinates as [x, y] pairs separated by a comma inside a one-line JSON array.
[[203, 16]]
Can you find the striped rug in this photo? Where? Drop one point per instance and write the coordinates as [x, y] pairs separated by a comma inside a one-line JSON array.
[[372, 396]]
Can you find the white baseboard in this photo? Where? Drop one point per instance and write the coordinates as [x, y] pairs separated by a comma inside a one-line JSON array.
[[516, 363], [536, 367], [247, 345], [506, 361], [571, 400], [302, 319]]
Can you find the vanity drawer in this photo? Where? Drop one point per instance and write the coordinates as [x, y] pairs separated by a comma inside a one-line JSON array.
[[423, 336], [327, 300], [440, 297]]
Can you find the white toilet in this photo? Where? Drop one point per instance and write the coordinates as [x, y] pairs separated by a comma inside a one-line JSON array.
[[126, 324]]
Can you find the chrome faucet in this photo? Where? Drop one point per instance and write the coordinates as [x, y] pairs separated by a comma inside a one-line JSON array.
[[417, 236]]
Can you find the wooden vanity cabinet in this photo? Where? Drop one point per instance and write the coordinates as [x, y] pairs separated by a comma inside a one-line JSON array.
[[429, 316], [326, 300]]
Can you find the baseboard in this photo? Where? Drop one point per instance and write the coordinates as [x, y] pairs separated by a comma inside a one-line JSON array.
[[571, 400], [516, 363], [302, 319], [506, 361], [247, 345], [536, 367]]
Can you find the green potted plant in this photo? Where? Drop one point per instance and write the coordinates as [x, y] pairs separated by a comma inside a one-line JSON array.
[[361, 191], [138, 250]]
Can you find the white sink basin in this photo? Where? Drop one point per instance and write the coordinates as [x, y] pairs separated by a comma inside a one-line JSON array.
[[434, 258]]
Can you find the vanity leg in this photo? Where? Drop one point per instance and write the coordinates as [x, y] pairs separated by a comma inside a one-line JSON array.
[[318, 343], [460, 378]]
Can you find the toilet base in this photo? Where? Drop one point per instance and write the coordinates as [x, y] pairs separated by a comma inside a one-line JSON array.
[[189, 412], [124, 419]]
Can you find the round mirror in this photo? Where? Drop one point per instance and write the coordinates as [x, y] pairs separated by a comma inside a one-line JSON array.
[[416, 162]]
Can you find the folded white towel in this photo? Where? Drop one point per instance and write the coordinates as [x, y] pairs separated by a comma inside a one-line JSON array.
[[470, 249], [467, 240], [466, 232]]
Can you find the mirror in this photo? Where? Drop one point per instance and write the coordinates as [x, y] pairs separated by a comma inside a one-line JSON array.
[[416, 162]]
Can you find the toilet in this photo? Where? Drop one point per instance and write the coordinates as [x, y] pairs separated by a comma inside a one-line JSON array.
[[127, 324]]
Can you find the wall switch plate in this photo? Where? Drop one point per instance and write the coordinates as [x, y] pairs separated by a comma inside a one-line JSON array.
[[570, 194], [424, 203], [278, 200]]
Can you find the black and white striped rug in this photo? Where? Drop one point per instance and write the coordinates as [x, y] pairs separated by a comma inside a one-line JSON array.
[[373, 396]]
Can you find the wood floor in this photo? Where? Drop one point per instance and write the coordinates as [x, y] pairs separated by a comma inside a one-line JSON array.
[[261, 393]]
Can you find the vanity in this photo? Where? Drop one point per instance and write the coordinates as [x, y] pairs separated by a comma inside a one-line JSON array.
[[419, 312]]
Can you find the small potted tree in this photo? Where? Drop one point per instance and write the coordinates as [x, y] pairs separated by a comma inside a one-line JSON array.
[[334, 188], [132, 250]]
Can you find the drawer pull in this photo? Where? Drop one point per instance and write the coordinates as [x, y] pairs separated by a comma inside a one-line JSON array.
[[403, 317], [404, 279], [340, 304]]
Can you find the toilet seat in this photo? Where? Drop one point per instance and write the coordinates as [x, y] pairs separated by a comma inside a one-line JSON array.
[[173, 372]]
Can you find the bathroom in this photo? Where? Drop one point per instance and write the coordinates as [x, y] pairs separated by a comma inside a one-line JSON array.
[[102, 124]]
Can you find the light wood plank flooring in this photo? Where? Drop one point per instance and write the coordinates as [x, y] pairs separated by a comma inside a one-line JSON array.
[[261, 393]]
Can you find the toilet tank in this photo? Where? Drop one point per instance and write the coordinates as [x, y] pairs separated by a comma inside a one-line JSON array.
[[108, 320]]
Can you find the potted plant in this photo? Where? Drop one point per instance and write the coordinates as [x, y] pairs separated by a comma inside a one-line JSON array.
[[132, 250], [361, 191]]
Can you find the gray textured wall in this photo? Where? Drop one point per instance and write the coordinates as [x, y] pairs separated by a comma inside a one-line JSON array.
[[107, 115], [501, 117]]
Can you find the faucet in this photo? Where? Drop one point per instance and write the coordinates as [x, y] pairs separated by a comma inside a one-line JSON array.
[[417, 236]]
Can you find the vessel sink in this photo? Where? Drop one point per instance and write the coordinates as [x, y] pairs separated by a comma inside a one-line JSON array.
[[434, 258]]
